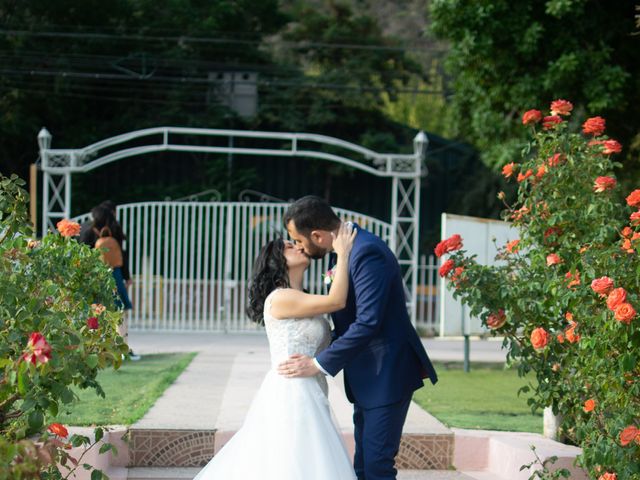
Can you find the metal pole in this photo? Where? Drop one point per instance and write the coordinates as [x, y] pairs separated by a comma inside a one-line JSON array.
[[465, 332], [33, 196]]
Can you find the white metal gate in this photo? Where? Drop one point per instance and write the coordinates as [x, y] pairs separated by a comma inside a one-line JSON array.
[[191, 261]]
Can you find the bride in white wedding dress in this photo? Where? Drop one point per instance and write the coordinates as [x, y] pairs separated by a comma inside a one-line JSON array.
[[288, 433]]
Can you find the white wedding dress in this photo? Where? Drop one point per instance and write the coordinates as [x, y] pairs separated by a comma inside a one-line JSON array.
[[288, 433]]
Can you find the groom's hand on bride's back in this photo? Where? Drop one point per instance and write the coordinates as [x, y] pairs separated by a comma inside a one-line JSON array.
[[298, 365]]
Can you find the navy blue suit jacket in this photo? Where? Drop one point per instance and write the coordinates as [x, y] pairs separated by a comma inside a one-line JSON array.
[[375, 344]]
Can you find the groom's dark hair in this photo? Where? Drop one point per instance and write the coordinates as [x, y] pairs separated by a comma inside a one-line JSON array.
[[311, 213]]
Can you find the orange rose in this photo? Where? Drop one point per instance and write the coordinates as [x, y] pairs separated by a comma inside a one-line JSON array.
[[633, 199], [555, 160], [608, 476], [531, 116], [509, 169], [573, 278], [611, 146], [553, 259], [451, 244], [616, 297], [589, 405], [523, 176], [550, 122], [624, 313], [602, 184], [569, 317], [626, 232], [512, 246], [58, 429], [602, 285], [520, 213], [561, 107], [571, 335], [539, 338], [594, 126], [496, 320], [560, 338], [457, 273], [67, 228], [446, 268], [635, 218], [541, 171], [629, 435]]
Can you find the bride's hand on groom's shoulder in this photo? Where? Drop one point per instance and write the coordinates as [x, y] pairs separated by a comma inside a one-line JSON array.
[[343, 241]]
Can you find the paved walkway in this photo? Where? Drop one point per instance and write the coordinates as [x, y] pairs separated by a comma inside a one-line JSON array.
[[443, 350]]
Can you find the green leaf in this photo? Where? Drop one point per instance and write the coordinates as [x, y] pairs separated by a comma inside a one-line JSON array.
[[97, 475], [92, 360], [36, 419]]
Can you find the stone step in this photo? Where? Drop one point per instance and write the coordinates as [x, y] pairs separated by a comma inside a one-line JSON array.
[[158, 473]]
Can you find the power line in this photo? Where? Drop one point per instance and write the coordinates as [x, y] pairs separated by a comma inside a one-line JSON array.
[[210, 40], [206, 81]]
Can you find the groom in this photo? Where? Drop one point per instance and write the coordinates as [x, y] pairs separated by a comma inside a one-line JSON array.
[[374, 342]]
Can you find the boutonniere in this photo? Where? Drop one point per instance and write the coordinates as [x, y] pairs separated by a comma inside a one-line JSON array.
[[327, 278]]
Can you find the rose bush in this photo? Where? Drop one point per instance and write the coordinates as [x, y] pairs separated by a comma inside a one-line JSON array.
[[51, 338], [569, 288]]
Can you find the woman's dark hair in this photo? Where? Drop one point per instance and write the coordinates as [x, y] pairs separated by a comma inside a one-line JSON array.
[[269, 272], [311, 213], [103, 221]]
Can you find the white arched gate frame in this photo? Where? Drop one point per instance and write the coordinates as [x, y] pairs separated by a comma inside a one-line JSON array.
[[404, 170]]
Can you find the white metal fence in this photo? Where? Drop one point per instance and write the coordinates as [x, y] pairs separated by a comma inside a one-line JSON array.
[[191, 261], [427, 298]]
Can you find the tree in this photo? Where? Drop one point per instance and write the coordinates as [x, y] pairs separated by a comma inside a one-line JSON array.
[[506, 56]]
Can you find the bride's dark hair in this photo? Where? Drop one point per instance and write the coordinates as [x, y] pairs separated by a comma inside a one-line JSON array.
[[269, 272]]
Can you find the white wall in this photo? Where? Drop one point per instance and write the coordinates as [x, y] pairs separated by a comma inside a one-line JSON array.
[[478, 235]]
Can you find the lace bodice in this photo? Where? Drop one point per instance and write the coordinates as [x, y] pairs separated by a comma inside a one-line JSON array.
[[307, 336]]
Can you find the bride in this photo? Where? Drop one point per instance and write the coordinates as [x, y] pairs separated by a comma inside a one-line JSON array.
[[288, 433]]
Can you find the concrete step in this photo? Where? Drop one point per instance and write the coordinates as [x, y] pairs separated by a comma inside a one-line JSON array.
[[490, 455], [157, 473]]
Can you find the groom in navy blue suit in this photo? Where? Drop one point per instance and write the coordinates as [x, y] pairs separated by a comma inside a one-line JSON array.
[[375, 344]]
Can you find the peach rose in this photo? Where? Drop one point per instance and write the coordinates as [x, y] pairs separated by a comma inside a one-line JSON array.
[[67, 228], [569, 317], [512, 246], [509, 169], [553, 259], [98, 308], [446, 268], [608, 476], [629, 435], [560, 338], [589, 405], [624, 313], [561, 107], [602, 184], [626, 232], [539, 338], [550, 122], [611, 146], [531, 116], [616, 297], [496, 320], [58, 429], [602, 285], [594, 126]]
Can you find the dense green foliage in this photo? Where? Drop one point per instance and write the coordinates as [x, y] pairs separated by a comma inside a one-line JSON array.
[[507, 57]]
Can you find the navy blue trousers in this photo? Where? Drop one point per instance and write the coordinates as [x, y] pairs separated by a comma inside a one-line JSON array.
[[377, 433]]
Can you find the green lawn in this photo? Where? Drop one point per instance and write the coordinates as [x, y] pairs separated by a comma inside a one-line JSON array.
[[130, 391], [486, 399]]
